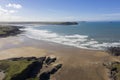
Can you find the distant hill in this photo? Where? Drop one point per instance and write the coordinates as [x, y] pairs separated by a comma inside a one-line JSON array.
[[44, 23]]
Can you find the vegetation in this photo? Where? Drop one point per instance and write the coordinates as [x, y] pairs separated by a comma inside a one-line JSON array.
[[29, 68], [13, 67], [114, 68], [8, 30]]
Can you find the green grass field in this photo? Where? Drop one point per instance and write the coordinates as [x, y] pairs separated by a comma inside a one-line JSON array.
[[12, 68]]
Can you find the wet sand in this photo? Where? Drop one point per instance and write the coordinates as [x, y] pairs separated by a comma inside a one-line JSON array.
[[78, 64]]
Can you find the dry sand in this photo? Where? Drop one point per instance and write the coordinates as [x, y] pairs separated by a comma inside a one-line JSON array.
[[78, 64], [22, 52]]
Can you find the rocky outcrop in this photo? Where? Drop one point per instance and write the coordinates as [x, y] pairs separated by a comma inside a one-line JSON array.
[[9, 30], [34, 69], [114, 70], [115, 51], [46, 75], [50, 60]]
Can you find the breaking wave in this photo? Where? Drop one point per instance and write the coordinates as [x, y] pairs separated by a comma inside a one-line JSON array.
[[76, 40]]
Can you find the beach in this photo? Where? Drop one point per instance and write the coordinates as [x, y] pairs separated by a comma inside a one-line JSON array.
[[59, 40], [78, 64]]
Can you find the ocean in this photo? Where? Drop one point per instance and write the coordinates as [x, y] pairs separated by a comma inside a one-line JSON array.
[[87, 35]]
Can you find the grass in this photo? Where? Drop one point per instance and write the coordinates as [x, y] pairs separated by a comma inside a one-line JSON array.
[[12, 68], [8, 30], [5, 29], [2, 32], [117, 66]]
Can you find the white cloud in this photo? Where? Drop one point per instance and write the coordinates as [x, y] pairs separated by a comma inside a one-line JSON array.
[[3, 10], [16, 6], [8, 15], [12, 11], [6, 11]]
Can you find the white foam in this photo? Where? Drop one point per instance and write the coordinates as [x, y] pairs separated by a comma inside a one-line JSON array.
[[80, 41]]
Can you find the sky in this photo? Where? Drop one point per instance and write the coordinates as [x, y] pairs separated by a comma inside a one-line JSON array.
[[59, 10]]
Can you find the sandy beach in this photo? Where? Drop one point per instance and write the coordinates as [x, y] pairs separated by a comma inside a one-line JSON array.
[[60, 40], [78, 64]]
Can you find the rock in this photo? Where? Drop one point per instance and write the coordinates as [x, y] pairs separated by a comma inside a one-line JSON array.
[[16, 59], [55, 69], [115, 51], [9, 30], [45, 76], [114, 70], [37, 68], [31, 58], [41, 59], [50, 60]]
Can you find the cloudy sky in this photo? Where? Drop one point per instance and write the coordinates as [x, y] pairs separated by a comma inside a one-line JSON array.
[[59, 10]]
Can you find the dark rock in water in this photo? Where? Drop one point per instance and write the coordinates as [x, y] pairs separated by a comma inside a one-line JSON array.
[[50, 60]]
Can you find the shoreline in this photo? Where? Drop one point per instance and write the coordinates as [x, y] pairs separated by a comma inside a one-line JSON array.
[[85, 64], [21, 41]]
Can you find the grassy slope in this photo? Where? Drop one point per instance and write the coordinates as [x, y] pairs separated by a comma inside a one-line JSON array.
[[5, 29], [117, 66], [8, 30], [13, 67]]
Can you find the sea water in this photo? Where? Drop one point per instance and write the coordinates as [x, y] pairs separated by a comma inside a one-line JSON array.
[[89, 35]]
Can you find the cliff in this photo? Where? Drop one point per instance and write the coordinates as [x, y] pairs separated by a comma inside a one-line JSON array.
[[9, 30]]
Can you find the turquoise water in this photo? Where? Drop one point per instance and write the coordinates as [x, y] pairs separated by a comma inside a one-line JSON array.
[[92, 35]]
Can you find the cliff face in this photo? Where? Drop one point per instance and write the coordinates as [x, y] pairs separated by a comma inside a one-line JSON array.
[[9, 31]]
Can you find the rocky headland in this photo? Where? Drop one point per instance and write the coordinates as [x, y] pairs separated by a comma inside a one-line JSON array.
[[42, 23], [6, 30], [30, 68]]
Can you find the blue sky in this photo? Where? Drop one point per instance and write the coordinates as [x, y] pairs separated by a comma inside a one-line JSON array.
[[59, 10]]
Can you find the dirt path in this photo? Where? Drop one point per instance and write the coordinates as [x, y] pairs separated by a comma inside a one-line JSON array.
[[2, 75]]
